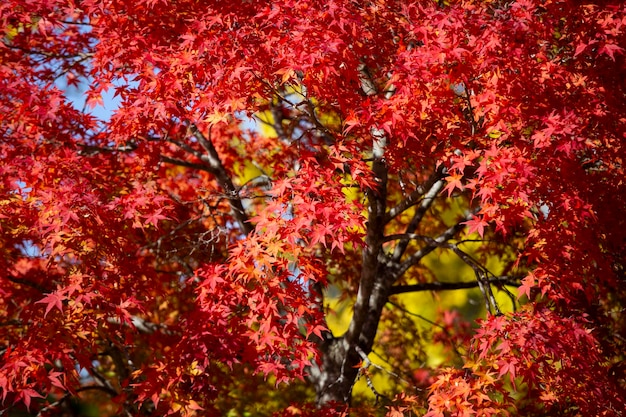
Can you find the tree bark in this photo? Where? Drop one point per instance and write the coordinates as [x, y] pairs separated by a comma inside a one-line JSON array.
[[339, 368]]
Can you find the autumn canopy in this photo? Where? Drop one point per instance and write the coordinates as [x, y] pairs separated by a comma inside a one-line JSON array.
[[225, 207]]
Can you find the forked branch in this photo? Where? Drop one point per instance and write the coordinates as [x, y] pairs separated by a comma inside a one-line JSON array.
[[213, 164], [431, 245], [427, 201], [414, 197]]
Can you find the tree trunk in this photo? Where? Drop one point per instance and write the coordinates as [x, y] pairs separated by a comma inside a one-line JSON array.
[[338, 369], [335, 376]]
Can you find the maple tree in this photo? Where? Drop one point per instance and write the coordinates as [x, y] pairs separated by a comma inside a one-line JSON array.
[[270, 165]]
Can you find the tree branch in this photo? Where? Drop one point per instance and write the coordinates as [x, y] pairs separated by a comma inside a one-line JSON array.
[[451, 286], [141, 325], [278, 117], [187, 149], [64, 398], [187, 164], [482, 279], [414, 197], [106, 384], [92, 149], [81, 56], [427, 201], [223, 179], [27, 283], [431, 245]]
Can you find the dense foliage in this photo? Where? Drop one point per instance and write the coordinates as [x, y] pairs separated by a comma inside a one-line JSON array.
[[423, 196]]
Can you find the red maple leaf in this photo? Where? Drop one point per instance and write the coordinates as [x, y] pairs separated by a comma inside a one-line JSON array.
[[52, 300]]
